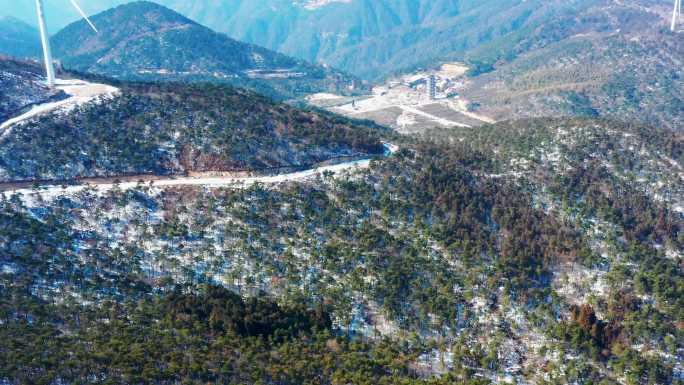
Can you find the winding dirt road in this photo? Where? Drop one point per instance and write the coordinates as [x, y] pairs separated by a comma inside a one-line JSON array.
[[83, 92], [79, 91], [162, 182]]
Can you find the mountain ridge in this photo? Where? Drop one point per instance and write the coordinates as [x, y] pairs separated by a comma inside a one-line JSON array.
[[168, 128], [18, 39], [146, 41]]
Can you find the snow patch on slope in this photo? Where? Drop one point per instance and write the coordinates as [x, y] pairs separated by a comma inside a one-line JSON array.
[[316, 4]]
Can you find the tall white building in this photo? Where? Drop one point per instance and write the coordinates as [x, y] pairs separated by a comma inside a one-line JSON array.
[[432, 87]]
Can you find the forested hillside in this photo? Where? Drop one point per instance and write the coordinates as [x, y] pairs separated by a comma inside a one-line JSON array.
[[173, 129], [246, 341], [548, 251], [146, 41], [530, 251], [22, 86], [18, 39], [617, 61]]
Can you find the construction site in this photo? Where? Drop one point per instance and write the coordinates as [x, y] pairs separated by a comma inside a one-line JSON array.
[[411, 103]]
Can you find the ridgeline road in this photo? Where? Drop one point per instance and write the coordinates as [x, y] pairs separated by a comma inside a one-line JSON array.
[[106, 184], [79, 91]]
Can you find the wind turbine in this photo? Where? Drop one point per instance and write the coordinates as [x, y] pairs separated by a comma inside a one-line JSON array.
[[45, 38], [676, 14]]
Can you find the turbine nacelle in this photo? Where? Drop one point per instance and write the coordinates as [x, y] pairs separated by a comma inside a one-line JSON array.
[[45, 38]]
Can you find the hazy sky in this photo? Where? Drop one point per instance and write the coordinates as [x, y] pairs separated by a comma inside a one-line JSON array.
[[58, 12]]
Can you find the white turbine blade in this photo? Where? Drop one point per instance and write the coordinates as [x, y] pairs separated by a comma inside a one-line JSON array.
[[75, 4], [674, 16]]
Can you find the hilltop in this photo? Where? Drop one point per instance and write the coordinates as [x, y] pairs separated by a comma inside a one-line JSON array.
[[146, 41], [22, 86], [168, 129]]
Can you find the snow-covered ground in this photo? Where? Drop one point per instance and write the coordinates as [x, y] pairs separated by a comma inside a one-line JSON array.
[[221, 181], [315, 4], [441, 121], [79, 91]]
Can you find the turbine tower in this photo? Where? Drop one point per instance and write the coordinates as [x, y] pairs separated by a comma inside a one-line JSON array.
[[45, 39], [676, 14]]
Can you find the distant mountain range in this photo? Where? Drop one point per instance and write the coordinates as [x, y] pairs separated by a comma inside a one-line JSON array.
[[376, 38], [609, 60], [18, 39], [371, 38], [528, 58], [146, 41]]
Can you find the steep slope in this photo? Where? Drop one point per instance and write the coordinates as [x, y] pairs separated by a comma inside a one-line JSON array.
[[143, 40], [174, 129], [18, 39], [21, 86], [540, 250], [614, 60], [171, 129]]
